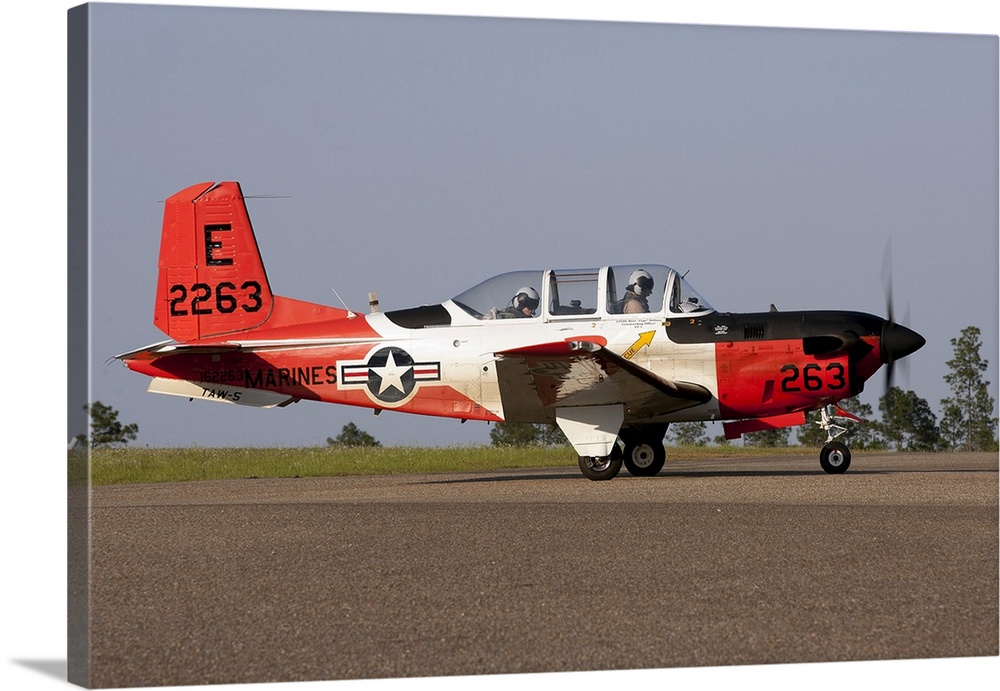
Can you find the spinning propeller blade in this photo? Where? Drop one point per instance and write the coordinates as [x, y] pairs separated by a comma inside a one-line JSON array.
[[890, 321], [897, 341]]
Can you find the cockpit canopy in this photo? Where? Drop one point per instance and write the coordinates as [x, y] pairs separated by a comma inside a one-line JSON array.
[[555, 294]]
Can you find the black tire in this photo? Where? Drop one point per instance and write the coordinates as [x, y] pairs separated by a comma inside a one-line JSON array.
[[644, 458], [835, 458], [600, 467]]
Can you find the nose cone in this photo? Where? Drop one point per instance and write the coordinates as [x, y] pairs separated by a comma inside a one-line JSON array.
[[899, 341]]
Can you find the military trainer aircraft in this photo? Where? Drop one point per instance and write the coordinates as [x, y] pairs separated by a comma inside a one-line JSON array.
[[612, 354]]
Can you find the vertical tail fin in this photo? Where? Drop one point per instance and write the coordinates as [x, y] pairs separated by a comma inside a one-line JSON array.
[[211, 277]]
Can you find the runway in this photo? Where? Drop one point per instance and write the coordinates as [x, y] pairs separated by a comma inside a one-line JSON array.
[[710, 563]]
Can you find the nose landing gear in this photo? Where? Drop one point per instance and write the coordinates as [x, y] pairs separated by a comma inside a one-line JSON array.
[[835, 457]]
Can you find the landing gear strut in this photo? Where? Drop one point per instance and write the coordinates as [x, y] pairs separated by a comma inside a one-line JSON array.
[[835, 457]]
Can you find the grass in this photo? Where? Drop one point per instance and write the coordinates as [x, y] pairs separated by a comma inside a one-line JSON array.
[[134, 465]]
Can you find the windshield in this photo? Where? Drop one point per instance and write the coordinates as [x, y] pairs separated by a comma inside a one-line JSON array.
[[685, 299]]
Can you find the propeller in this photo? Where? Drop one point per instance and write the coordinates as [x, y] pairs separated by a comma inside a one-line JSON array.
[[897, 341], [889, 310], [904, 365]]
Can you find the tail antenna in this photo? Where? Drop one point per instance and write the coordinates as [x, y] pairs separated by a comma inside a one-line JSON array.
[[350, 313]]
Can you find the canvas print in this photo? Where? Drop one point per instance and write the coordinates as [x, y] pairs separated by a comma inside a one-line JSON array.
[[436, 346]]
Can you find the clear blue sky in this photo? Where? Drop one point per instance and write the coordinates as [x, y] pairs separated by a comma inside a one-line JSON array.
[[422, 154], [833, 153]]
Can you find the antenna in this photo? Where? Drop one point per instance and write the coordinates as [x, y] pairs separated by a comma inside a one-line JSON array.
[[350, 312]]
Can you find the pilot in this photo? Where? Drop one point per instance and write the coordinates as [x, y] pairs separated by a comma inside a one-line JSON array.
[[639, 288], [523, 304]]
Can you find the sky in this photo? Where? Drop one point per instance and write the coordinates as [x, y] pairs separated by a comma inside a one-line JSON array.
[[775, 169], [417, 155]]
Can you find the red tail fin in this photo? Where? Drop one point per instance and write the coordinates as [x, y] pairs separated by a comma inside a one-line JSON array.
[[211, 280]]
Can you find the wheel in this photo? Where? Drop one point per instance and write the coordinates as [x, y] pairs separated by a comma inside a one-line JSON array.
[[600, 467], [835, 457], [644, 458]]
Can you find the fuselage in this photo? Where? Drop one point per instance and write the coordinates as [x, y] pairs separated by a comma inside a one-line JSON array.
[[442, 360]]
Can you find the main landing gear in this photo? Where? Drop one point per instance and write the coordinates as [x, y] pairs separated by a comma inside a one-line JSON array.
[[642, 455], [835, 457], [601, 467]]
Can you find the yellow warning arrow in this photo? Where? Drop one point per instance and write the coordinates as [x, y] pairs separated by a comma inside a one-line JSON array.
[[645, 338]]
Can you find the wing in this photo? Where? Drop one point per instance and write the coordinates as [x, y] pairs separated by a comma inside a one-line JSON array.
[[539, 378]]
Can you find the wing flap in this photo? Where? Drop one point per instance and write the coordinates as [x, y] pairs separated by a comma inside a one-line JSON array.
[[584, 373]]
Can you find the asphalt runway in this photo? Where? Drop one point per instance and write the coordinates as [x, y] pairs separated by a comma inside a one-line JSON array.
[[710, 563]]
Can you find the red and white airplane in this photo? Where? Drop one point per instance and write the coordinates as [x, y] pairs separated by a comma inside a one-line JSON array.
[[613, 354]]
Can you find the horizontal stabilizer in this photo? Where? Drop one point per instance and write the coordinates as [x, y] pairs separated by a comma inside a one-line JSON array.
[[205, 391], [163, 348]]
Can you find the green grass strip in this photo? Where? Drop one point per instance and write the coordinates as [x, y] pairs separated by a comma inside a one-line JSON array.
[[144, 465]]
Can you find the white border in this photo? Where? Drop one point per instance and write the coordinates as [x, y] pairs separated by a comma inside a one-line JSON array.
[[33, 45]]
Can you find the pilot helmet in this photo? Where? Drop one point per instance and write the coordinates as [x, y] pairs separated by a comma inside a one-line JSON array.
[[526, 297], [640, 282]]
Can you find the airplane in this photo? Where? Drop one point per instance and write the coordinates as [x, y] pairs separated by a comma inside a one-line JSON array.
[[612, 354]]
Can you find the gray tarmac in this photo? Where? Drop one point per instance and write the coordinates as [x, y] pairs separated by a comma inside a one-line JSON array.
[[710, 563]]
